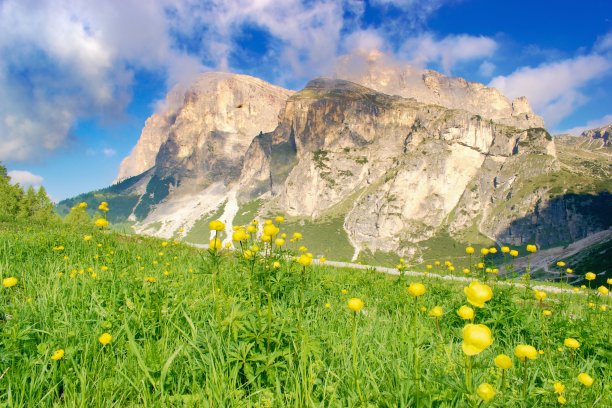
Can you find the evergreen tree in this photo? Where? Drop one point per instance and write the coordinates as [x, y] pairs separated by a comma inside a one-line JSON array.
[[10, 196]]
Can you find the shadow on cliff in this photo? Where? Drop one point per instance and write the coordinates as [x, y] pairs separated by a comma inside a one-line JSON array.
[[562, 220]]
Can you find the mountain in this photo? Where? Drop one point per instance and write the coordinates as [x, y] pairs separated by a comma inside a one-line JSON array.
[[420, 171]]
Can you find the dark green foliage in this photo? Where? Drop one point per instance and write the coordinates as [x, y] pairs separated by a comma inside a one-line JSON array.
[[29, 204]]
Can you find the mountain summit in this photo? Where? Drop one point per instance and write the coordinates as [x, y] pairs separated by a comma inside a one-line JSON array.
[[439, 161]]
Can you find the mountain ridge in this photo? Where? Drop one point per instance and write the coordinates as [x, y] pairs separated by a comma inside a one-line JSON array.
[[389, 173]]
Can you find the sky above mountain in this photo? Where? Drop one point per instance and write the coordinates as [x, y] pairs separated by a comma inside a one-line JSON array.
[[78, 78]]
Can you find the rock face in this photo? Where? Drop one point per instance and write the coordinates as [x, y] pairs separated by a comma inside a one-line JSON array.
[[210, 130], [602, 134], [396, 171], [373, 70]]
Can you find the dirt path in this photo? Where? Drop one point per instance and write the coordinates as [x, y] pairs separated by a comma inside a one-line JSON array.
[[393, 271]]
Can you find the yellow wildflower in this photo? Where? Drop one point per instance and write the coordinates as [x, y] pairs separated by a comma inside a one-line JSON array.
[[355, 304], [57, 355]]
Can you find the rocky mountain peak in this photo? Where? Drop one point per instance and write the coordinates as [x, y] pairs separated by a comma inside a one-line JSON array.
[[602, 133], [215, 106], [378, 71]]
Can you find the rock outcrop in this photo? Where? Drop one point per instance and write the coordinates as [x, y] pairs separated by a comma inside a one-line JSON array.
[[396, 171], [373, 70]]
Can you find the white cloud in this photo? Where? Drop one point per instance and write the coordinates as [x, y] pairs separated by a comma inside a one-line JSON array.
[[486, 68], [25, 178], [591, 124], [108, 152], [554, 89], [604, 43], [448, 51], [64, 60]]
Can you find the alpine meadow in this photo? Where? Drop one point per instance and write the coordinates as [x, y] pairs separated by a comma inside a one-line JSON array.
[[305, 204]]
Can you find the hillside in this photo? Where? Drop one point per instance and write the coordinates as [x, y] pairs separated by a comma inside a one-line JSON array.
[[160, 323]]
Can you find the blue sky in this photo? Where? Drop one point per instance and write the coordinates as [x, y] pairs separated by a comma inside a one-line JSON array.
[[79, 78]]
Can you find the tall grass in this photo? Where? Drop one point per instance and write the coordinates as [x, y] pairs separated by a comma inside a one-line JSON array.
[[170, 348]]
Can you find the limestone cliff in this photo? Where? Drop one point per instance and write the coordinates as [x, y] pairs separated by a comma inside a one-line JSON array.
[[373, 70], [393, 172]]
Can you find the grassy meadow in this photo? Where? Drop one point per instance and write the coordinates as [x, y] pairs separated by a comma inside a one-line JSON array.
[[97, 318]]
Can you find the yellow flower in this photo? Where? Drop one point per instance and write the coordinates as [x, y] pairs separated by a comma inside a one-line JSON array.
[[609, 281], [322, 259], [560, 264], [101, 223], [304, 260], [9, 282], [344, 291], [270, 230], [531, 248], [466, 312], [276, 265], [428, 266], [436, 312], [590, 276], [327, 305], [503, 361], [569, 270], [561, 400], [484, 251], [82, 205], [480, 265], [251, 229], [485, 391], [216, 225], [416, 289], [87, 238], [297, 236], [603, 308], [514, 252], [523, 351], [280, 219], [437, 263], [57, 355], [303, 249], [466, 270], [539, 295], [150, 279], [603, 290], [279, 242], [585, 379], [355, 304], [559, 388], [215, 244], [105, 338], [164, 244], [492, 250], [266, 238], [469, 250], [476, 338], [248, 254], [104, 268], [547, 313], [478, 293], [505, 249], [571, 343]]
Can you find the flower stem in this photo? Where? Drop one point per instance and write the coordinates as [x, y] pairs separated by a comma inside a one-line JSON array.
[[525, 380], [416, 353], [354, 350]]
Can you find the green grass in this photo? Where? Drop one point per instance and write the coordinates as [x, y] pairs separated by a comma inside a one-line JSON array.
[[199, 232], [266, 338], [325, 236], [247, 212]]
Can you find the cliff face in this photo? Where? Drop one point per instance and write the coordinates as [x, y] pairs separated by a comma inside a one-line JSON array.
[[209, 132], [402, 170], [394, 171], [371, 69]]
